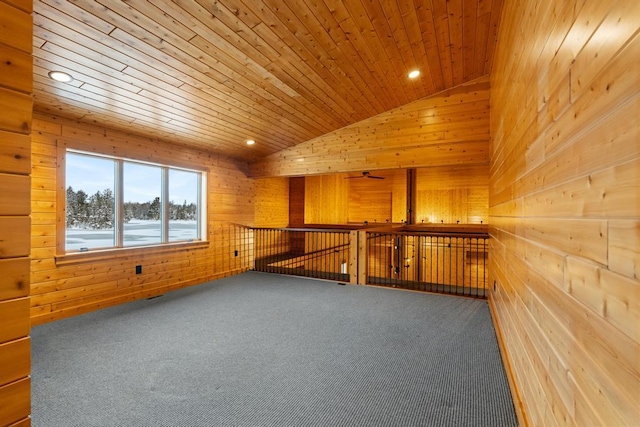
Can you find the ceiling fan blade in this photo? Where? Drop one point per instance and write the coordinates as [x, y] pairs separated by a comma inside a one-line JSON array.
[[365, 174]]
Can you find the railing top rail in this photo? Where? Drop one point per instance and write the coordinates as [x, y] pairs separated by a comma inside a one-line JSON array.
[[431, 233], [319, 230]]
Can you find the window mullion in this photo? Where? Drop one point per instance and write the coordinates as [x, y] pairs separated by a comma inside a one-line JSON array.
[[164, 217], [186, 187], [119, 214], [200, 209]]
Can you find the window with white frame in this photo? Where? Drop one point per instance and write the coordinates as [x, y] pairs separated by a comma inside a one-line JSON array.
[[117, 203]]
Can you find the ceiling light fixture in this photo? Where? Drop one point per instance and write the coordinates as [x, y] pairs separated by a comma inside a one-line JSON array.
[[60, 76], [413, 74], [250, 142]]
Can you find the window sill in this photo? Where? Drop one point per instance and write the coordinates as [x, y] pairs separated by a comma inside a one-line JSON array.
[[119, 253]]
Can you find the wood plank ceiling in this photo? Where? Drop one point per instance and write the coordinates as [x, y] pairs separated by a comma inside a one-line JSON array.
[[213, 74]]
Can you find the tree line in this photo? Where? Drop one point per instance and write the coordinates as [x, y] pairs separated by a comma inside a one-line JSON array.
[[97, 211]]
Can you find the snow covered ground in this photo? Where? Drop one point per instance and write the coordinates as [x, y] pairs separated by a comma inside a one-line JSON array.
[[136, 233]]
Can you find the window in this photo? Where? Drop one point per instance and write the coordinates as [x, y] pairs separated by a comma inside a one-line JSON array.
[[90, 204], [142, 190], [118, 203]]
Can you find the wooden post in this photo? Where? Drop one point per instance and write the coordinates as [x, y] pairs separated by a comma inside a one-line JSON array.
[[362, 257], [358, 257], [353, 257], [411, 196]]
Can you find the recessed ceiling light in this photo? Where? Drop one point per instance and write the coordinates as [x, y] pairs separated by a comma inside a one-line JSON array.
[[250, 142], [60, 76], [413, 74]]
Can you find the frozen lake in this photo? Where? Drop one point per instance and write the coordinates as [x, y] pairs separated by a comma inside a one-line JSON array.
[[136, 233]]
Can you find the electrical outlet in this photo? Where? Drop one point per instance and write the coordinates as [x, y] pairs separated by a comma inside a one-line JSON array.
[[235, 253], [138, 269]]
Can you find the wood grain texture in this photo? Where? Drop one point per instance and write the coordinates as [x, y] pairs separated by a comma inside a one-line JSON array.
[[16, 401], [13, 230], [326, 199], [16, 67], [279, 72], [452, 194], [15, 156], [16, 29], [449, 128], [564, 208], [15, 356], [296, 201], [443, 194], [62, 289], [14, 319], [272, 202], [378, 201], [16, 76]]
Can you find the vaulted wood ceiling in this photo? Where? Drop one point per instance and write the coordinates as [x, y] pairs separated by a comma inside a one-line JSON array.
[[214, 74]]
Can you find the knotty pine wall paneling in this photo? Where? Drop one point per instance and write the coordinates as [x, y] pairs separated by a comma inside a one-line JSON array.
[[62, 288], [378, 200], [450, 194], [326, 199], [564, 210], [16, 87], [446, 129], [443, 194], [272, 202]]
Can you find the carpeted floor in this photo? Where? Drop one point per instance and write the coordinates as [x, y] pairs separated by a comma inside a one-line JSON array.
[[267, 350]]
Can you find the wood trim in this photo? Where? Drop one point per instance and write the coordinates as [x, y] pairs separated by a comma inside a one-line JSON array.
[[153, 157], [109, 301], [25, 422], [353, 257], [515, 394], [119, 253], [412, 181], [63, 258], [61, 199], [362, 257]]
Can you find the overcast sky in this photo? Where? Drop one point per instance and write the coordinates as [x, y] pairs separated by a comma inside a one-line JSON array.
[[141, 182]]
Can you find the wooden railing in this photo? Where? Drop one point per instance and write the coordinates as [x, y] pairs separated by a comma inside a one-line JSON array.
[[452, 261]]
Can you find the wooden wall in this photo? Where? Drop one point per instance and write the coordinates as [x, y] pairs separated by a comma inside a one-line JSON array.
[[16, 70], [296, 201], [378, 200], [565, 208], [326, 199], [65, 288], [447, 193], [449, 128], [451, 194], [271, 202]]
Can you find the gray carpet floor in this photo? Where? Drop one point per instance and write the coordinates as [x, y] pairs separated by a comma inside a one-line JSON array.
[[260, 349]]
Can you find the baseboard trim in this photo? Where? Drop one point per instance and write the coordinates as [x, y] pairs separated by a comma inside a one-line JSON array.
[[515, 394], [151, 291]]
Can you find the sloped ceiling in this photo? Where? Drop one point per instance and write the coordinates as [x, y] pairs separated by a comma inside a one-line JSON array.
[[213, 74], [446, 129]]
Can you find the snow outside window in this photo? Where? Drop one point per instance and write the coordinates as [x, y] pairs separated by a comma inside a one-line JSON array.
[[115, 203]]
